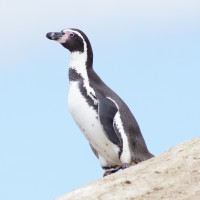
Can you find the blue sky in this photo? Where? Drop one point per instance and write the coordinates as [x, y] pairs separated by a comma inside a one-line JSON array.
[[147, 51]]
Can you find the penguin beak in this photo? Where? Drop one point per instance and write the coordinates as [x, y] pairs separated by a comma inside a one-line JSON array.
[[54, 35]]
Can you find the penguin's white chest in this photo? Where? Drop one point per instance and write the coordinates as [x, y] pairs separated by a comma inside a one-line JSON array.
[[87, 120]]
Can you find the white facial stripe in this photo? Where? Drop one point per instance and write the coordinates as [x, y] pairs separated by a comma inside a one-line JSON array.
[[69, 30]]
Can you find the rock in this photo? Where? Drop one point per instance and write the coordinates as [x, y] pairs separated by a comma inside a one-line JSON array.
[[173, 175]]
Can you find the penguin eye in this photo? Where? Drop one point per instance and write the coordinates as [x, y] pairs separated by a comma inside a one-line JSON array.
[[71, 35]]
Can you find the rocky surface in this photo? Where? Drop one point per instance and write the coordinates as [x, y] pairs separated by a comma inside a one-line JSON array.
[[173, 175]]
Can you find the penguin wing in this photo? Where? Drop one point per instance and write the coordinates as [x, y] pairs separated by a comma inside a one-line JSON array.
[[107, 111]]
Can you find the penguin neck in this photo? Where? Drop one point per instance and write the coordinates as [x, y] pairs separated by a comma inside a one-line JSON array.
[[81, 61], [80, 64]]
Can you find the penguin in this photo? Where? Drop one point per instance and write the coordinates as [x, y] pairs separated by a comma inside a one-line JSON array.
[[105, 120]]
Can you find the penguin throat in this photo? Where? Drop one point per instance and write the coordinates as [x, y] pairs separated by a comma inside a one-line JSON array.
[[78, 62]]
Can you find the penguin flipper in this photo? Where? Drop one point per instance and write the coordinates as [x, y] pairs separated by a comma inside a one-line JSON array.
[[107, 111]]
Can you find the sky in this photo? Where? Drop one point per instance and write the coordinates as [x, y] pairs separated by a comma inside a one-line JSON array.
[[146, 51]]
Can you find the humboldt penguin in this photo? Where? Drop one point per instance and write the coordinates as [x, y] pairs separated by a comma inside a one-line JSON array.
[[103, 117]]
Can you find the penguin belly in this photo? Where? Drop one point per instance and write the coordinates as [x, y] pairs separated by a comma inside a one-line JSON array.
[[88, 121]]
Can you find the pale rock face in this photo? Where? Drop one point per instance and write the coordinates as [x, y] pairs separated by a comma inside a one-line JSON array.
[[173, 175]]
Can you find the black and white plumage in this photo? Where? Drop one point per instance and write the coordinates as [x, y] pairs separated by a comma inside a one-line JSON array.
[[100, 113]]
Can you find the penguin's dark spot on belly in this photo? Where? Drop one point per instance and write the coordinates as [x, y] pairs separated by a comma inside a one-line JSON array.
[[106, 144], [92, 125]]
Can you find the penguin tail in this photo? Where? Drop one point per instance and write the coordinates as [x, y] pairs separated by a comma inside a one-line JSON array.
[[141, 156], [140, 151]]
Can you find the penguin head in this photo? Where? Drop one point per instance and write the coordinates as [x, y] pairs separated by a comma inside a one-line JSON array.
[[71, 39]]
